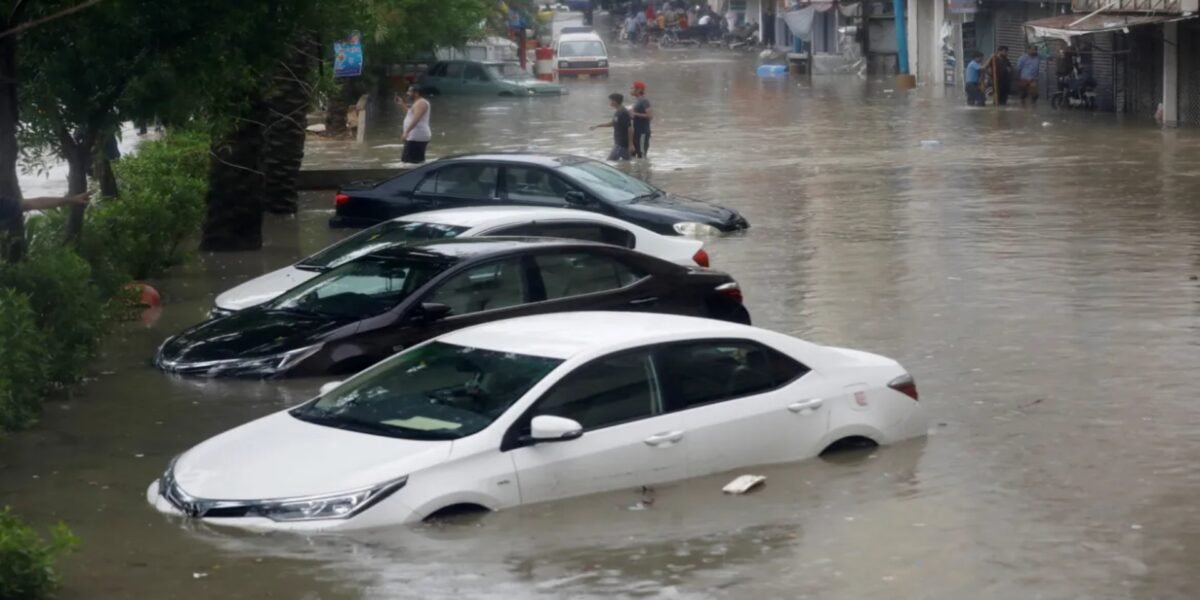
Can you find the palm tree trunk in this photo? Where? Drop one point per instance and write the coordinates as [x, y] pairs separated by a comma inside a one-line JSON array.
[[235, 186], [287, 105], [12, 237]]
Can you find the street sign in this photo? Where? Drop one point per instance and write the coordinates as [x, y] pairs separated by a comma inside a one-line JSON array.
[[962, 7], [348, 56]]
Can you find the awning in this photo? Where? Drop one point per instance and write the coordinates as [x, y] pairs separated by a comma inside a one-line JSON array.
[[1065, 27]]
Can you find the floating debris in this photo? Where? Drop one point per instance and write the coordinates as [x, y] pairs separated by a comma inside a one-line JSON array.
[[743, 484]]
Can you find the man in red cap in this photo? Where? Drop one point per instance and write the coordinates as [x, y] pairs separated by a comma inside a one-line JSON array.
[[642, 115]]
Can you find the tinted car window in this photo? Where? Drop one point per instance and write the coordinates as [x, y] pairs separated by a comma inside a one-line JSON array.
[[453, 70], [698, 373], [438, 70], [580, 273], [467, 181], [437, 391], [531, 184], [361, 288], [607, 182], [475, 72], [491, 286], [592, 232], [379, 236], [607, 391]]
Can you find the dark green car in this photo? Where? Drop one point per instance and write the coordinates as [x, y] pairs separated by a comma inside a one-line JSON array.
[[492, 78]]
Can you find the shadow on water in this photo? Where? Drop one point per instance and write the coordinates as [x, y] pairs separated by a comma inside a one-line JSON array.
[[1033, 270]]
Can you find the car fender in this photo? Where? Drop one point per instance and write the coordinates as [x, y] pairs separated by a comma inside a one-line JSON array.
[[852, 430], [460, 497]]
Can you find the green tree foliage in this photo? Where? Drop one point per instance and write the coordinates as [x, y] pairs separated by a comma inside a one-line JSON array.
[[23, 362], [27, 560]]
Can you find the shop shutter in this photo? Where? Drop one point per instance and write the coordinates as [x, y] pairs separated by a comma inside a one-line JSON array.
[[1189, 73], [1102, 70], [1010, 28]]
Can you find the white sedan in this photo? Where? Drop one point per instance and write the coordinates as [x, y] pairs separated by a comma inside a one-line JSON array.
[[466, 222], [540, 408]]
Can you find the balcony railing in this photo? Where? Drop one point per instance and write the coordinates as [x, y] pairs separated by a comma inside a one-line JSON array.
[[1134, 6]]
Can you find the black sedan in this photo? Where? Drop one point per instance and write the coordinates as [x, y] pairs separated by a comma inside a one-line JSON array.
[[366, 310], [530, 179]]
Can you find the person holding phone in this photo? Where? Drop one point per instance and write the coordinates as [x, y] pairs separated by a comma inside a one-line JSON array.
[[416, 124]]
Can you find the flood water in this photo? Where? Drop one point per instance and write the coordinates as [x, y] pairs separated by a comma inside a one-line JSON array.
[[1035, 270]]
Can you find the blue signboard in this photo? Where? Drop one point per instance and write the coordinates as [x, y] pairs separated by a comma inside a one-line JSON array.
[[348, 56]]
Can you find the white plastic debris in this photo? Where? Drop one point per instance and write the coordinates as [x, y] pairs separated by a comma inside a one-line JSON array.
[[743, 484], [316, 128], [931, 143], [1045, 123], [199, 575]]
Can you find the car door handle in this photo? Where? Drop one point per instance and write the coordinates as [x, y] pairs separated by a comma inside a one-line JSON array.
[[803, 405], [664, 439], [643, 301]]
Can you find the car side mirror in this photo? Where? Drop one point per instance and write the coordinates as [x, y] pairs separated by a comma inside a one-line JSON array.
[[545, 428], [432, 311], [329, 387], [576, 198]]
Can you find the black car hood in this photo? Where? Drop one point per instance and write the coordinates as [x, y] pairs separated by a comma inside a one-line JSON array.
[[669, 209], [250, 333]]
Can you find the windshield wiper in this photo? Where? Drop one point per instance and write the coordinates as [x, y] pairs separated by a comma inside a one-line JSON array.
[[371, 427], [650, 196]]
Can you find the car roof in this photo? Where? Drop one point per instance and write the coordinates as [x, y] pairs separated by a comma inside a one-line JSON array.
[[565, 335], [546, 160], [478, 216], [460, 248]]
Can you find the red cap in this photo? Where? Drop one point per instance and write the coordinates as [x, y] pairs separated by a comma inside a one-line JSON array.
[[639, 85]]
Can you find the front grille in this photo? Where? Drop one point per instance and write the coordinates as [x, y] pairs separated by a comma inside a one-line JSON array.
[[583, 65]]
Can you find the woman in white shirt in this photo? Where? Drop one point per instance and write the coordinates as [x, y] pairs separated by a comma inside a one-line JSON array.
[[416, 125]]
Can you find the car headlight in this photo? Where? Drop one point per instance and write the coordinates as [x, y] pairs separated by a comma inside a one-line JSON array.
[[217, 312], [603, 63], [278, 362], [562, 64], [332, 506], [696, 229]]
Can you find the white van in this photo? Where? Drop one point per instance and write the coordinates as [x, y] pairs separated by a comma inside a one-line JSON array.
[[580, 52]]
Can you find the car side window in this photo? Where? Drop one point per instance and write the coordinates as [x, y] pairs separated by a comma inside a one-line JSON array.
[[465, 181], [698, 373], [578, 273], [438, 70], [607, 391], [533, 184], [475, 72], [454, 70], [495, 285], [592, 232]]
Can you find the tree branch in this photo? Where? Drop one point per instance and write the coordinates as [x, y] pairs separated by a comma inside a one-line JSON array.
[[58, 15]]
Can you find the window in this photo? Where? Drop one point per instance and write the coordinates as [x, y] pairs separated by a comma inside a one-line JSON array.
[[590, 49], [435, 392], [532, 184], [360, 289], [464, 181], [581, 273], [607, 182], [592, 232], [702, 372], [438, 70], [607, 391], [509, 71], [380, 236], [487, 287], [454, 70], [475, 72]]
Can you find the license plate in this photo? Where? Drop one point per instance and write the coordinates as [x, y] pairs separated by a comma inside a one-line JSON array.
[[584, 76]]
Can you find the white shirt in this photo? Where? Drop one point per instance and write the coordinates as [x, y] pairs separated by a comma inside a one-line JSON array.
[[705, 20], [421, 131]]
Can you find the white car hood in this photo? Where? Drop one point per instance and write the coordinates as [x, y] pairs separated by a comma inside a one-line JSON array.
[[280, 456], [263, 288]]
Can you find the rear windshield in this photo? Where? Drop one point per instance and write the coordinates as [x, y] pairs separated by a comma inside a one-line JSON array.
[[375, 238]]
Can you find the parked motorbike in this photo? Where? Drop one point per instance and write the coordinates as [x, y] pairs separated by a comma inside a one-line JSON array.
[[745, 37], [1077, 90]]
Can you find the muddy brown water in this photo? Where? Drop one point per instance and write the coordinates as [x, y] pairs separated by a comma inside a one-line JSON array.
[[1035, 271]]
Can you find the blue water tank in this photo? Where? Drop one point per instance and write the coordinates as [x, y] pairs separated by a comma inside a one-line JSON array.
[[772, 71]]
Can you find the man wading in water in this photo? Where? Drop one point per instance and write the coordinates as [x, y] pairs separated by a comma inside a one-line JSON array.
[[642, 115], [622, 125]]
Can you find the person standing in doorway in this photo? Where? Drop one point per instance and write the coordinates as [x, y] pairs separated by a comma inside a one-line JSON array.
[[416, 125], [642, 114], [1000, 70], [973, 79], [1028, 68], [622, 126]]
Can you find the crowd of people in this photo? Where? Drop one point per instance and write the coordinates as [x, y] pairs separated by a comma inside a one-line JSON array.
[[997, 74], [645, 20]]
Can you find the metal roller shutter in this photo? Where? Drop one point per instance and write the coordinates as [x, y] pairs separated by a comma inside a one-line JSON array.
[[1101, 59], [1189, 73], [1010, 28]]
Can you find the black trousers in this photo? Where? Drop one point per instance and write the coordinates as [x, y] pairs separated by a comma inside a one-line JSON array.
[[414, 152]]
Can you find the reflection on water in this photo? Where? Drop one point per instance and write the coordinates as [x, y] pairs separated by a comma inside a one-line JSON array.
[[1034, 270]]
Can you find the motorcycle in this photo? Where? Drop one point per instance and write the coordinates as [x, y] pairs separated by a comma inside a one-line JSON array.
[[1077, 90]]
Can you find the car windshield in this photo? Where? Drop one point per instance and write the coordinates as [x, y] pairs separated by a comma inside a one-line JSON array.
[[509, 71], [362, 288], [607, 182], [580, 48], [438, 391], [375, 238]]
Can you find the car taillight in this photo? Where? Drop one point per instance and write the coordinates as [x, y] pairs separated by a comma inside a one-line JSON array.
[[731, 290], [340, 199], [701, 257], [905, 384]]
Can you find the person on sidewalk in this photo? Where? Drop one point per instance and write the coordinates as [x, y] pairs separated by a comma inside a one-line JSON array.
[[1000, 70], [622, 126], [416, 125], [1028, 68], [642, 114], [973, 79]]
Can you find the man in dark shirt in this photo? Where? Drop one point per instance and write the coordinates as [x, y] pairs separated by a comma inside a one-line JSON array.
[[642, 114], [622, 125]]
